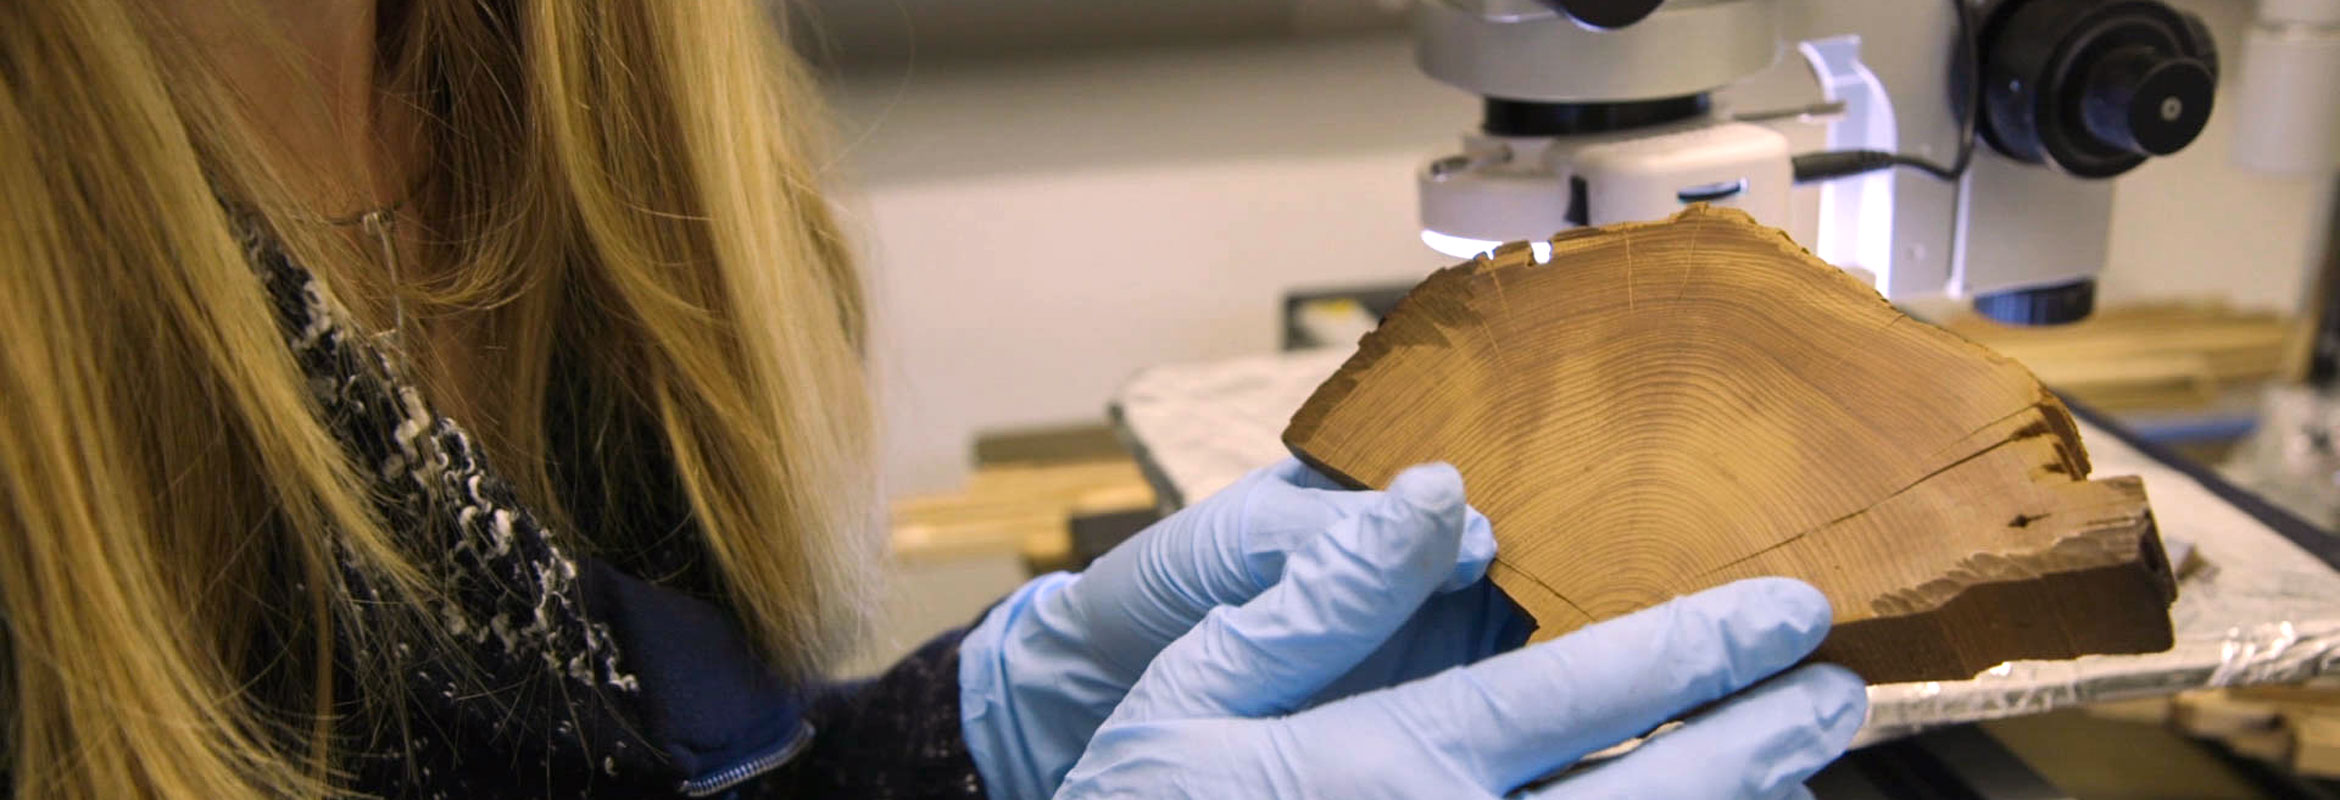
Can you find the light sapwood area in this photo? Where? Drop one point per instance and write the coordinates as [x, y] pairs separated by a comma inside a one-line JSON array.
[[1670, 406]]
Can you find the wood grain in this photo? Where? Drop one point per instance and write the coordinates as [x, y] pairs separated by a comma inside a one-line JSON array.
[[1670, 406]]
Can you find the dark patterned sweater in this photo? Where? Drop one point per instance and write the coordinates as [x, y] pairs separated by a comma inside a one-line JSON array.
[[579, 679]]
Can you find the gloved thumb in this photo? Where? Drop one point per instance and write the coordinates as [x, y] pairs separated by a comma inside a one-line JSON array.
[[1435, 489], [1429, 486], [1339, 599]]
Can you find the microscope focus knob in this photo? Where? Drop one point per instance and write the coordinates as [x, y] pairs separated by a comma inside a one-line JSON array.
[[2094, 87], [2060, 304]]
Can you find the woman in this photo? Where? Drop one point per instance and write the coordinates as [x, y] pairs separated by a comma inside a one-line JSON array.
[[464, 398]]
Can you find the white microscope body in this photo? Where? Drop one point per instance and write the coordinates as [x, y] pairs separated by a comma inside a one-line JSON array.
[[1969, 142]]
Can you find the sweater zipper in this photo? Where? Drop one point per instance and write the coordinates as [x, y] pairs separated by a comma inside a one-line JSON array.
[[711, 783]]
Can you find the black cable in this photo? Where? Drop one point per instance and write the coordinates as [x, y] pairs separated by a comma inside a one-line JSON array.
[[1833, 164], [1830, 165]]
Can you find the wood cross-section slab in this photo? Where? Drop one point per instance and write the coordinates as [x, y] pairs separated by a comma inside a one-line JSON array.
[[1665, 407]]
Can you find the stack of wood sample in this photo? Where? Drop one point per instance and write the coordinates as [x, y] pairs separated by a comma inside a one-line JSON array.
[[1024, 508], [2151, 357], [2296, 727], [1670, 406]]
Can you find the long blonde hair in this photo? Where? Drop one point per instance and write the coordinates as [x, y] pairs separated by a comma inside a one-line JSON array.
[[621, 208]]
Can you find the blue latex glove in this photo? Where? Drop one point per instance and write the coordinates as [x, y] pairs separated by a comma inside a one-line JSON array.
[[1208, 718], [1047, 665]]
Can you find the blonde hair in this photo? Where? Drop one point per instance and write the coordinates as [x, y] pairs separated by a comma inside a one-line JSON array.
[[620, 196]]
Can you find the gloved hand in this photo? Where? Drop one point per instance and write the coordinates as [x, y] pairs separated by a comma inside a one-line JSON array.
[[1206, 721], [1047, 665]]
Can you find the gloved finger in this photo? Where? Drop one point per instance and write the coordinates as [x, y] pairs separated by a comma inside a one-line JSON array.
[[1801, 792], [1284, 514], [1340, 598], [1524, 714], [1759, 745]]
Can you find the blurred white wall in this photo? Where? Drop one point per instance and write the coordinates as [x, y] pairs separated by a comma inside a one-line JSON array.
[[2196, 225], [1039, 229]]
